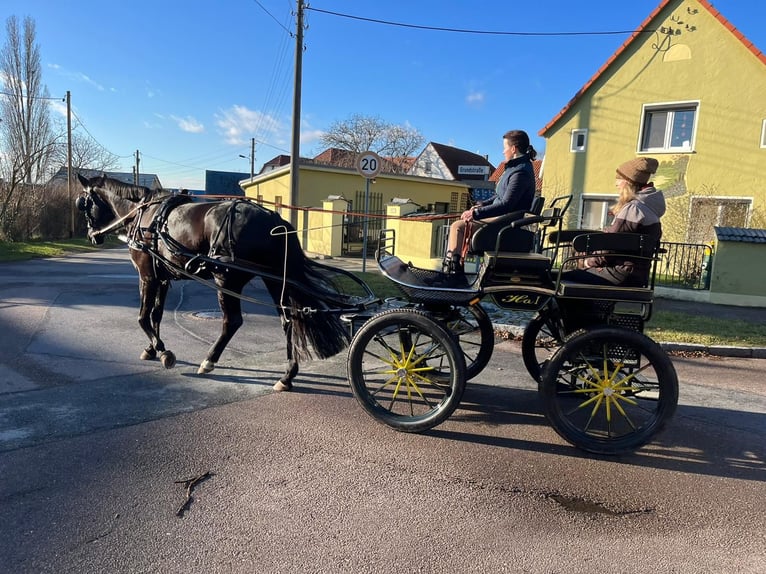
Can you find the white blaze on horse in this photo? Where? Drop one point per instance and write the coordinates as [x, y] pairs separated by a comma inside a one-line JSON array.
[[227, 243]]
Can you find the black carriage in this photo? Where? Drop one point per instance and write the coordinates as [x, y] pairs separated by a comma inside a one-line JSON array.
[[606, 387]]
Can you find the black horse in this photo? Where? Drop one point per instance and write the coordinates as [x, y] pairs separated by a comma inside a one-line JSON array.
[[171, 236]]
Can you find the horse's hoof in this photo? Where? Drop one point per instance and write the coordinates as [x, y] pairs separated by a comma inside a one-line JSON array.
[[148, 354], [168, 359], [280, 386], [205, 367]]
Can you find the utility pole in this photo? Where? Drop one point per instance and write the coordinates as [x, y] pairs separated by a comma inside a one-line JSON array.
[[295, 150], [252, 157], [69, 161], [135, 171]]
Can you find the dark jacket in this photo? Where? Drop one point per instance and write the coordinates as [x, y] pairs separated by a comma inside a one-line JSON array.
[[641, 215], [515, 190]]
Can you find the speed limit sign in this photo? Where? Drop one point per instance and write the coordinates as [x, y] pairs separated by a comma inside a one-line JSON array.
[[368, 164]]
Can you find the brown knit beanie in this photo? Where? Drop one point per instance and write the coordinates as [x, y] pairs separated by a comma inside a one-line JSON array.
[[638, 170]]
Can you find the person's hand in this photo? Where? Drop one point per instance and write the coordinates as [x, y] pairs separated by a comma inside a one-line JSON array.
[[467, 215]]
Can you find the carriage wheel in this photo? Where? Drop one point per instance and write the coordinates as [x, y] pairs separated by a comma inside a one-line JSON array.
[[476, 336], [406, 370], [609, 390], [540, 340]]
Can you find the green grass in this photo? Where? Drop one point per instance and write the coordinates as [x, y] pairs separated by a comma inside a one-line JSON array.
[[685, 328], [22, 251]]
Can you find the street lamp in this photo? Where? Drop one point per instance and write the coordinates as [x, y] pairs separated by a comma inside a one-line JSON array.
[[251, 157]]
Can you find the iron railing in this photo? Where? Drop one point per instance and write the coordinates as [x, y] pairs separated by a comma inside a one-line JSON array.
[[684, 265]]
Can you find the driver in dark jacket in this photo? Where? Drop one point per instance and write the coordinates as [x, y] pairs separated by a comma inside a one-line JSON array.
[[515, 192]]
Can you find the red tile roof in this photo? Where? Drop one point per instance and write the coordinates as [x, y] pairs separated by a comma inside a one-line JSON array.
[[537, 166], [704, 3]]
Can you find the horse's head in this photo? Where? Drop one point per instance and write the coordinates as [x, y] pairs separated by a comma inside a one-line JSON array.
[[97, 211]]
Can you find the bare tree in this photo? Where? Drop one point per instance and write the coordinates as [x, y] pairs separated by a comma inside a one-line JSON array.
[[368, 133], [26, 138], [87, 153]]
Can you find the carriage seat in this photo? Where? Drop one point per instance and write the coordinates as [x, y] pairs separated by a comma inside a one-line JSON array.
[[499, 235], [627, 245]]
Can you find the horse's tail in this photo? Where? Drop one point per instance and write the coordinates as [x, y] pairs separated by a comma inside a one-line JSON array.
[[315, 325]]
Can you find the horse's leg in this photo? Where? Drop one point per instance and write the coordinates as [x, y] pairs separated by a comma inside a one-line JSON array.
[[286, 382], [152, 294], [231, 307]]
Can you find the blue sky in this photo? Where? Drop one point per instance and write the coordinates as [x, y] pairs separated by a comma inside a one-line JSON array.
[[188, 84]]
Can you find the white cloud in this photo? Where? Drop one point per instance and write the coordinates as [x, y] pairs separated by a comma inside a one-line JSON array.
[[238, 124], [189, 124], [77, 77], [311, 136], [475, 98], [58, 106]]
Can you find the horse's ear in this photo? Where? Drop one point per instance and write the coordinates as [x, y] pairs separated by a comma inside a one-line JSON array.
[[85, 183]]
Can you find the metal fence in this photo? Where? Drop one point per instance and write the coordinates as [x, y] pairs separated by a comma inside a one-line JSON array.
[[684, 265]]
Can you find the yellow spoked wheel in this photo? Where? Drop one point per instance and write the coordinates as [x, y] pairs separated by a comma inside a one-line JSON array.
[[609, 390], [406, 370]]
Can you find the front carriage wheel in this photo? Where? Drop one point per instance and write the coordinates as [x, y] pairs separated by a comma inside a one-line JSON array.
[[609, 390], [474, 331], [406, 370]]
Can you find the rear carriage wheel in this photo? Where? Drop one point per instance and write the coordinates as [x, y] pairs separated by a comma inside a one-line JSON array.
[[541, 338], [609, 390], [406, 370], [472, 327]]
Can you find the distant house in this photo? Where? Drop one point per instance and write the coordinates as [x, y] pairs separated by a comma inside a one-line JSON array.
[[688, 89], [345, 158], [537, 166], [149, 180], [224, 182], [275, 163], [446, 162]]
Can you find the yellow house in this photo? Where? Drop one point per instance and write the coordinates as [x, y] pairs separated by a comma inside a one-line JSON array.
[[340, 189], [688, 89]]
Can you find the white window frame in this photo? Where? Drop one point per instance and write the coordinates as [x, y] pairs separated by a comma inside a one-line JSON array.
[[608, 199], [763, 135], [670, 108], [573, 147]]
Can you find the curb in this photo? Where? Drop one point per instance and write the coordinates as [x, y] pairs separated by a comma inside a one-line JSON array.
[[517, 330], [716, 350]]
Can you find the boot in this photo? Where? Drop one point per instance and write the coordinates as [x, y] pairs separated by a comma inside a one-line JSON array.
[[452, 264]]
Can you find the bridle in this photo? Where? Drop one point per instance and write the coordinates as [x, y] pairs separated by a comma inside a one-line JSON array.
[[86, 202]]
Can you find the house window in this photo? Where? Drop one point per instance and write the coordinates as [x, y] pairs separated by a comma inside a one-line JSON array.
[[428, 166], [579, 139], [763, 134], [595, 211], [668, 127], [707, 212]]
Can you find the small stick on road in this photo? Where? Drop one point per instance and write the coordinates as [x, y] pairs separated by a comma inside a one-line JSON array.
[[190, 483]]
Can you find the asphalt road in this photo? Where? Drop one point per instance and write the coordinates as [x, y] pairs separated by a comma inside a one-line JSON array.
[[93, 443]]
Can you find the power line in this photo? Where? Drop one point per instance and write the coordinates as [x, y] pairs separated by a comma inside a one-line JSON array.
[[12, 95], [273, 18], [467, 31]]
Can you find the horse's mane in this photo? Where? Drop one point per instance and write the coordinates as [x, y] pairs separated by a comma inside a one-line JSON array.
[[124, 190]]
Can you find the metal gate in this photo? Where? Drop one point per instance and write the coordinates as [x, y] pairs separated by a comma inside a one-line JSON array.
[[353, 224]]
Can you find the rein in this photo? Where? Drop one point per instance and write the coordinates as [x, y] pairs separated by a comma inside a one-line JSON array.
[[121, 221]]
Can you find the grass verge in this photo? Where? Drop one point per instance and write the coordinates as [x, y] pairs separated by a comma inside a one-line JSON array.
[[22, 251]]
